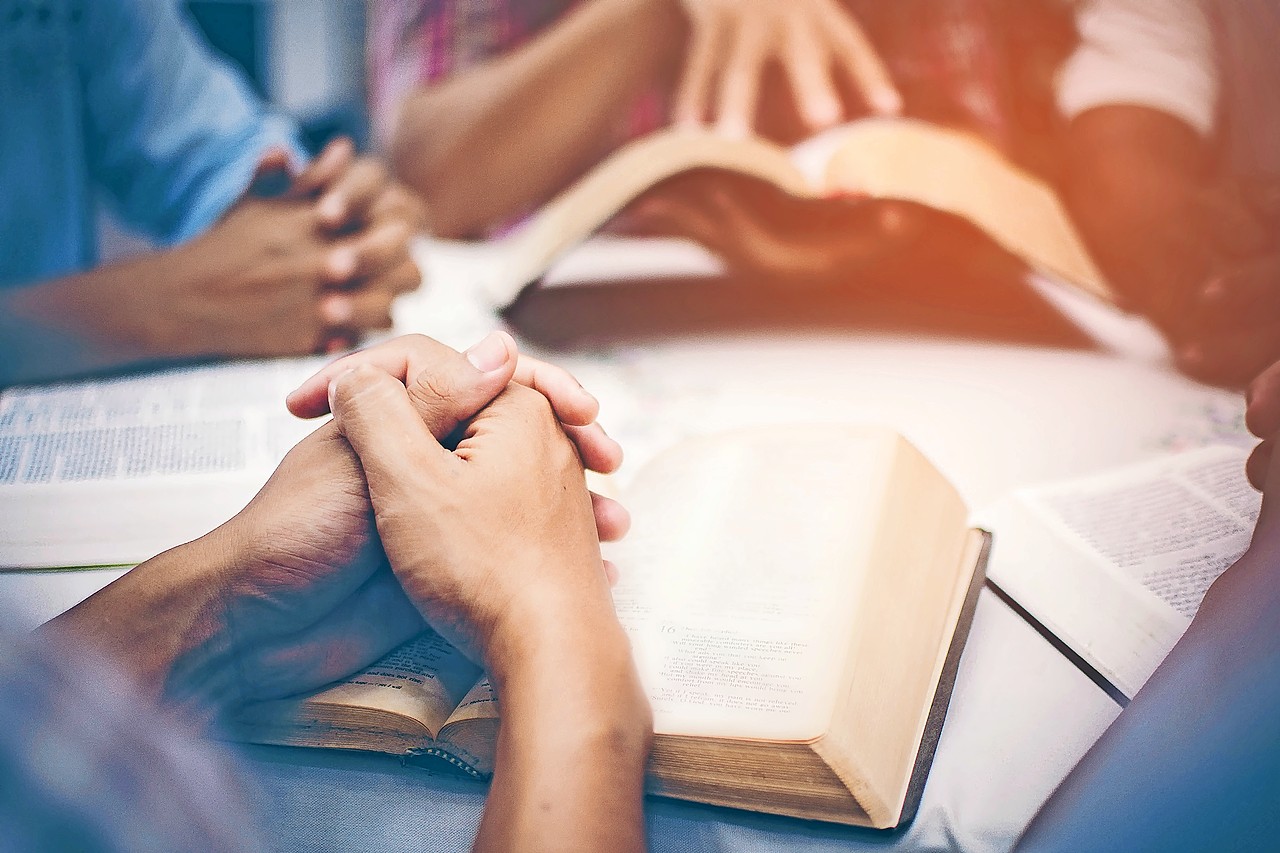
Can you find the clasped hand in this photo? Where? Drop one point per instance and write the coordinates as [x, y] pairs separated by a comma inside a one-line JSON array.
[[305, 270], [376, 522]]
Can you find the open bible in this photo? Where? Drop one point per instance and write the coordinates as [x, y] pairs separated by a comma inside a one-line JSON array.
[[797, 600], [1114, 565], [904, 159], [110, 472]]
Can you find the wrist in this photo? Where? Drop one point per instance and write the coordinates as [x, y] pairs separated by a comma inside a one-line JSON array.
[[570, 657]]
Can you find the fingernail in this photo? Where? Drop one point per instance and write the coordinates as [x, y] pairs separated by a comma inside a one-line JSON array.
[[332, 208], [490, 354], [886, 101], [824, 111], [336, 309], [333, 386], [342, 264]]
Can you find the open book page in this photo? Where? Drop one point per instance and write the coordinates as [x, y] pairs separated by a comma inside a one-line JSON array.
[[957, 173], [1116, 565], [471, 732], [902, 159], [102, 471], [423, 680], [742, 573]]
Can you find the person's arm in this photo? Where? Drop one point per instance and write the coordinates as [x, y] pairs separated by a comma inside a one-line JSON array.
[[294, 592], [574, 738], [494, 542], [1141, 94], [1135, 182], [492, 141], [172, 133], [264, 281]]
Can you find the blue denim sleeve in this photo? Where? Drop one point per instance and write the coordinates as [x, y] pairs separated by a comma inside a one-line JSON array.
[[173, 133]]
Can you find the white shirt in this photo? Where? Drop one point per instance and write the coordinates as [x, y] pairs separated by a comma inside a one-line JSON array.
[[1149, 53]]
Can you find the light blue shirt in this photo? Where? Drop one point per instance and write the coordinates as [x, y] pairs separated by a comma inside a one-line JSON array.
[[117, 99]]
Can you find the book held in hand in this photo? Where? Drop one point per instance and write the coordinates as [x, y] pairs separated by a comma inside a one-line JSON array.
[[908, 160], [797, 599]]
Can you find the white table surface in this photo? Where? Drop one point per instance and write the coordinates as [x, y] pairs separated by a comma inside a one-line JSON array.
[[993, 417]]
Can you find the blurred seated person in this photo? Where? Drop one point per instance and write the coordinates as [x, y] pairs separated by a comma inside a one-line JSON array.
[[488, 108], [1187, 223], [261, 253], [1114, 100], [370, 530]]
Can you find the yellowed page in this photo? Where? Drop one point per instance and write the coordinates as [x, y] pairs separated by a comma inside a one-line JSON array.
[[904, 159], [957, 173], [471, 732], [912, 601], [742, 575], [424, 679]]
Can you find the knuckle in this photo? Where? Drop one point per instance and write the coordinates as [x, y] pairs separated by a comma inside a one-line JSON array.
[[357, 382], [431, 387]]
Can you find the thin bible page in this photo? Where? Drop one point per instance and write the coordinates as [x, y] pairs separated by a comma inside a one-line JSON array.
[[1116, 565], [424, 679], [740, 578], [114, 471]]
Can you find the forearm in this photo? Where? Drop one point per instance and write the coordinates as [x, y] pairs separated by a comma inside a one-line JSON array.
[[1193, 763], [575, 737], [1135, 180], [495, 140], [160, 624], [84, 323]]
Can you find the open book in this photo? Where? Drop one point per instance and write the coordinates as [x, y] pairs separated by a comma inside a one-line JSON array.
[[797, 600], [113, 471], [903, 159], [1115, 565]]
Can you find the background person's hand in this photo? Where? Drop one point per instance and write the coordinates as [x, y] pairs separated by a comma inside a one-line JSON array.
[[818, 44], [765, 233], [372, 220], [1263, 419], [1233, 315]]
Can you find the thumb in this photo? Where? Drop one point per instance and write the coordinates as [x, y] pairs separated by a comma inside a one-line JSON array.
[[373, 412], [453, 389]]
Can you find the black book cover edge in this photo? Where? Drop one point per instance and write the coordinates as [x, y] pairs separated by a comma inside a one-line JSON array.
[[933, 723], [946, 686]]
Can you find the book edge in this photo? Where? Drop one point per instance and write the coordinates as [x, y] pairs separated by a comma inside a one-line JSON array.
[[946, 688]]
